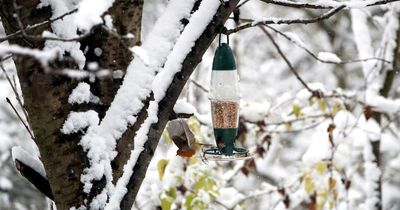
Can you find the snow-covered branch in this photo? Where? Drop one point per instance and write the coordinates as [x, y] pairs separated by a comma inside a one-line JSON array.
[[328, 4], [267, 21]]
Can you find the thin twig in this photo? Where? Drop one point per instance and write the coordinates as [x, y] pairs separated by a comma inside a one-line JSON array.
[[242, 3], [324, 16], [17, 17], [14, 88], [5, 58], [316, 57], [306, 118], [326, 6], [20, 118], [286, 59], [17, 34], [197, 84]]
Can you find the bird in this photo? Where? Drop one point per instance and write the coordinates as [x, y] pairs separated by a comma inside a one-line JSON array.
[[182, 137]]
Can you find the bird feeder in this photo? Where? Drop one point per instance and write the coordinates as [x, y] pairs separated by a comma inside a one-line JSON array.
[[225, 99]]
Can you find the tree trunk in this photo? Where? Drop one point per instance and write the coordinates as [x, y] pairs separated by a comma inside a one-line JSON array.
[[46, 95]]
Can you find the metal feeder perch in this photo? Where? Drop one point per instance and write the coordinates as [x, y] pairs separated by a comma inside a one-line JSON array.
[[225, 100]]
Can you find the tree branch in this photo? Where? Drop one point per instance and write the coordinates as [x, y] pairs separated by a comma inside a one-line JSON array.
[[327, 4], [316, 57], [167, 103], [291, 68], [41, 183], [324, 16], [18, 34]]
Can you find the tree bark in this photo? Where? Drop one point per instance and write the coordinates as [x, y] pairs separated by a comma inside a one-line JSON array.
[[46, 95]]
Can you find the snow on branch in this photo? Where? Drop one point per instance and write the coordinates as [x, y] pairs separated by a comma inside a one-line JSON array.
[[78, 121], [324, 16], [32, 169], [43, 56], [20, 32], [90, 12], [81, 94], [18, 153], [297, 41], [196, 26], [328, 4], [100, 141]]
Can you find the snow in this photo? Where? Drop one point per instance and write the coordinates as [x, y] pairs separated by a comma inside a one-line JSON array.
[[329, 57], [141, 53], [44, 57], [81, 94], [90, 12], [362, 37], [229, 197], [255, 111], [108, 21], [295, 38], [331, 3], [320, 148], [98, 51], [183, 107], [391, 24], [77, 121], [372, 175], [5, 184], [63, 28], [380, 103], [23, 156]]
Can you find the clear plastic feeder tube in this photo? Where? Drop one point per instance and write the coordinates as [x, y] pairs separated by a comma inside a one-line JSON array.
[[225, 99]]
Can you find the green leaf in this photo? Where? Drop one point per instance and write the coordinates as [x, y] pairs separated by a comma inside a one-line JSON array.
[[322, 104], [167, 198], [166, 137], [194, 126], [296, 109], [166, 204], [188, 201], [161, 165]]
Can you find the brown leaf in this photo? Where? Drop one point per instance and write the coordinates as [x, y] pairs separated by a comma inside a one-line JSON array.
[[282, 191], [267, 139], [251, 164], [313, 204], [332, 183], [245, 171], [331, 127], [260, 150], [286, 201], [347, 184], [368, 112]]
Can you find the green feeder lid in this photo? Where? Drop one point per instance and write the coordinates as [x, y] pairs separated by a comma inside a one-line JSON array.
[[223, 58]]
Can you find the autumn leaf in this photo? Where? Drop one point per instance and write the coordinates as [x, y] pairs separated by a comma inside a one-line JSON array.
[[321, 167], [368, 112], [313, 204], [331, 127], [245, 171], [309, 184], [332, 183]]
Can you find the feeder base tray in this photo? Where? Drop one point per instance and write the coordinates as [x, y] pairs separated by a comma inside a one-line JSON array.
[[215, 154]]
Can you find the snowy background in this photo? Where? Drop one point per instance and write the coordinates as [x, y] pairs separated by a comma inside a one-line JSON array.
[[299, 156]]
